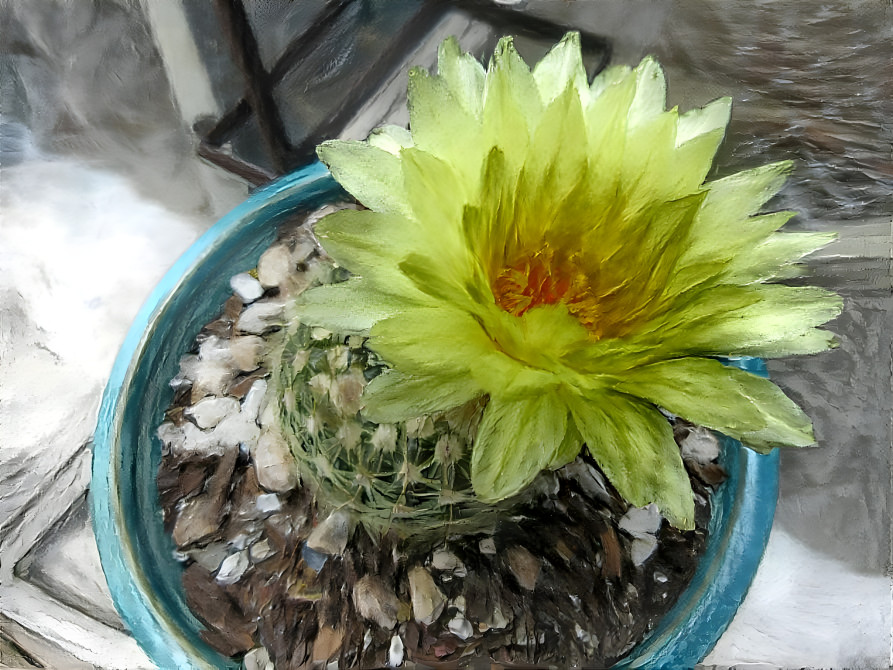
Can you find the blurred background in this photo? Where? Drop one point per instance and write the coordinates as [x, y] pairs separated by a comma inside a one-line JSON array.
[[128, 127]]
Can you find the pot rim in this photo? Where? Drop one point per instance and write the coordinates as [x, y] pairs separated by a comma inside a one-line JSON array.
[[741, 518]]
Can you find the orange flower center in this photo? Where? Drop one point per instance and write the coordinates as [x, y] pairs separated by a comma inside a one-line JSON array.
[[540, 280]]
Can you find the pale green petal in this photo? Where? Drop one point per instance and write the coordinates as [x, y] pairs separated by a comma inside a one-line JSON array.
[[557, 162], [515, 441], [512, 104], [569, 448], [372, 175], [353, 306], [609, 77], [606, 123], [737, 242], [393, 396], [436, 194], [442, 127], [722, 224], [365, 241], [560, 68], [707, 119], [542, 337], [755, 320], [462, 74], [391, 138], [774, 258], [651, 92], [422, 339], [737, 403], [633, 444]]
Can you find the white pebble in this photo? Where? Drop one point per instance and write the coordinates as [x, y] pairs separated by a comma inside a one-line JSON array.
[[233, 567], [260, 551], [641, 520], [257, 659], [460, 627], [487, 546], [701, 445], [274, 266], [330, 536], [395, 653], [274, 464], [261, 317], [246, 287], [268, 502], [642, 547], [210, 411], [246, 352], [251, 404]]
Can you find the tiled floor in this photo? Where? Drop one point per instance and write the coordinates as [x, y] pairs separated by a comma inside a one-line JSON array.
[[103, 192]]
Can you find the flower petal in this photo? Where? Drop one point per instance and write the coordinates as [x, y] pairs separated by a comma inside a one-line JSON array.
[[515, 441], [633, 444], [702, 120], [372, 175], [774, 258], [352, 306], [393, 396], [737, 403], [561, 68], [651, 92], [462, 74]]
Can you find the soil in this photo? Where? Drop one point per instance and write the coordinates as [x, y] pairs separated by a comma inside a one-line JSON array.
[[574, 577]]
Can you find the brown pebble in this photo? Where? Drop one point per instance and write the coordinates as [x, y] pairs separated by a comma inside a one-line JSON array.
[[611, 546], [524, 566], [327, 643]]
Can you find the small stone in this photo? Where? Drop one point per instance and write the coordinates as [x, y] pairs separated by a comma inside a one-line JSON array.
[[640, 521], [261, 317], [459, 603], [331, 535], [267, 503], [641, 548], [302, 250], [314, 559], [257, 659], [427, 600], [210, 411], [196, 520], [247, 352], [660, 577], [497, 620], [487, 546], [274, 266], [376, 602], [589, 479], [254, 400], [207, 376], [211, 556], [232, 568], [395, 652], [460, 627], [524, 566], [260, 551], [445, 560], [327, 643], [274, 464], [246, 287], [701, 445]]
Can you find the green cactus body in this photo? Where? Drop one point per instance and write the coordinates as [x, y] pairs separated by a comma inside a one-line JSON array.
[[411, 477]]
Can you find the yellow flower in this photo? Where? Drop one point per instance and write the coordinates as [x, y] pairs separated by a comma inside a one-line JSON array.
[[552, 246]]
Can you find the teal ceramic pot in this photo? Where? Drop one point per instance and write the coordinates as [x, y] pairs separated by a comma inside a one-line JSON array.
[[138, 557]]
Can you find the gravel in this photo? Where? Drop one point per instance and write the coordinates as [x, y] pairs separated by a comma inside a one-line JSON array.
[[577, 577]]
